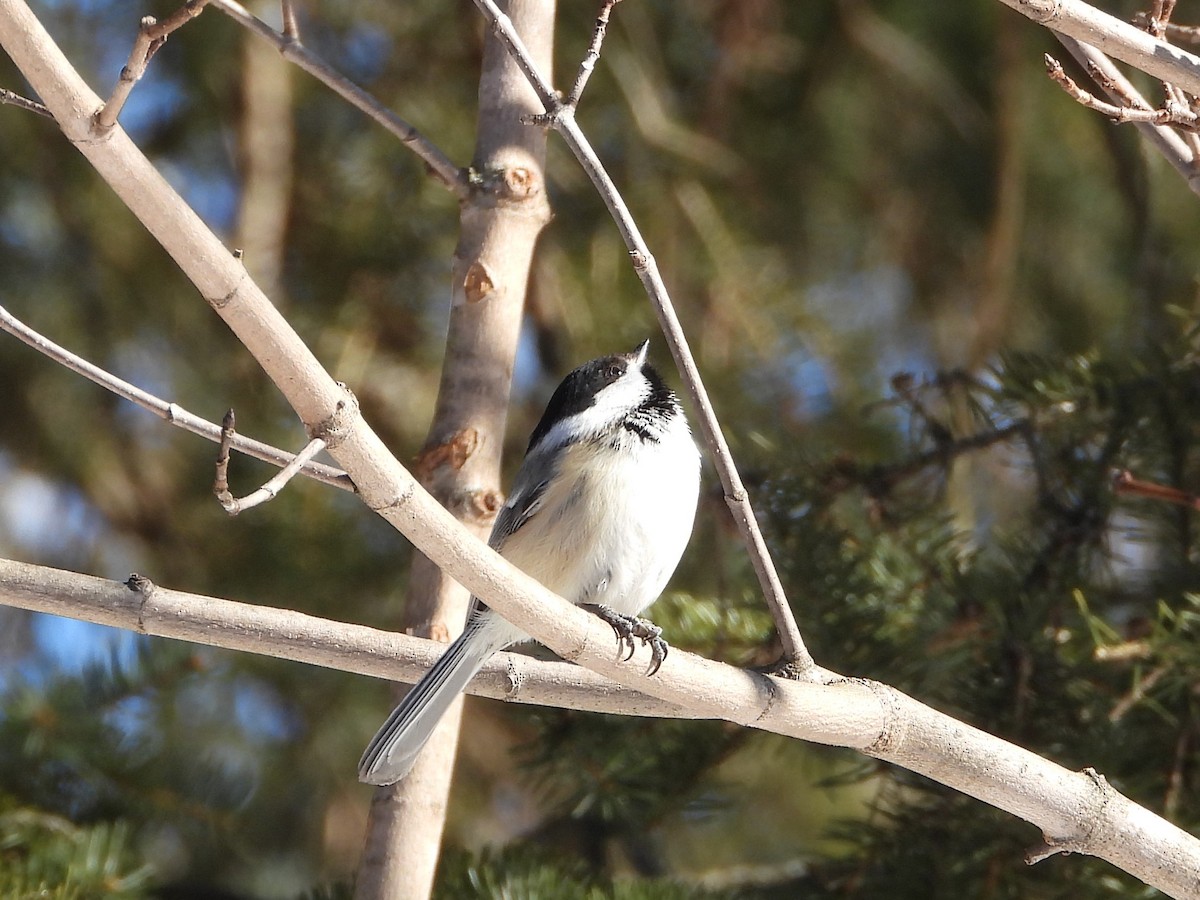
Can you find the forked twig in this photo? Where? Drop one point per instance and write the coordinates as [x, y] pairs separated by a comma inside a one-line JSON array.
[[1110, 79], [171, 412], [561, 117], [1173, 112], [268, 491], [151, 35], [1156, 21]]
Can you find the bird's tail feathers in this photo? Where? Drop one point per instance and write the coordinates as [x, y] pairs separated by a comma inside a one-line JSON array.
[[391, 753]]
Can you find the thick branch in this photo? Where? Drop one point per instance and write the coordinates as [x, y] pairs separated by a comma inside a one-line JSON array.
[[285, 634], [460, 462], [1116, 38]]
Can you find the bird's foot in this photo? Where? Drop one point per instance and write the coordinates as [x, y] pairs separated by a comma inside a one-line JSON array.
[[627, 628]]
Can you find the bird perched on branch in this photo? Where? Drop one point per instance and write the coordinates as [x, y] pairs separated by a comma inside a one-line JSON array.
[[600, 512]]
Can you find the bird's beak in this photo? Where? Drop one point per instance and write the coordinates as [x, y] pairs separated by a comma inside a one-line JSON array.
[[638, 356]]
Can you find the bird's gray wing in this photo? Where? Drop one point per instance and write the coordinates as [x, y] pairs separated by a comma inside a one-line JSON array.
[[523, 503], [525, 499]]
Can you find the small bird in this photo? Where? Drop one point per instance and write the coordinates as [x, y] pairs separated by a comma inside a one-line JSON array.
[[600, 513]]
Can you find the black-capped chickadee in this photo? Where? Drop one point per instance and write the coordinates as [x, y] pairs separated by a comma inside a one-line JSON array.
[[600, 512]]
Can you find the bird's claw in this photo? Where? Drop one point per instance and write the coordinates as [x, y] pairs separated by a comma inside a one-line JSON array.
[[627, 628]]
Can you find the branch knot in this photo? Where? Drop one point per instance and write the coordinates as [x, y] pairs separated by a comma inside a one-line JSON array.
[[145, 588], [892, 735], [334, 429]]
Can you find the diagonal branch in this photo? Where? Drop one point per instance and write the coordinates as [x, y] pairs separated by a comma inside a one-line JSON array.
[[593, 53], [561, 117], [1125, 483], [171, 412], [1118, 39], [290, 48]]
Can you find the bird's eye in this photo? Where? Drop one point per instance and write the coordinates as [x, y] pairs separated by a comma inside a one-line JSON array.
[[613, 373]]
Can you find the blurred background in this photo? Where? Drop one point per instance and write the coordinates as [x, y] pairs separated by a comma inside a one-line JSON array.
[[936, 302]]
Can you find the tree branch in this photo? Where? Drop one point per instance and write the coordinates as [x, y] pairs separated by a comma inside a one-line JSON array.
[[561, 117], [1120, 89], [1125, 483], [294, 636], [290, 48], [8, 98], [151, 35], [291, 29], [171, 412], [593, 53], [1110, 35], [270, 490]]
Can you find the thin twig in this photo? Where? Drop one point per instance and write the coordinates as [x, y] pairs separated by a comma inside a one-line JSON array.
[[1125, 483], [593, 53], [1187, 34], [1174, 112], [151, 35], [295, 52], [1180, 766], [1138, 692], [880, 479], [1166, 140], [1121, 91], [268, 491], [1159, 17], [561, 118], [130, 73], [221, 479], [1157, 23], [1126, 651], [291, 29], [8, 98], [171, 412]]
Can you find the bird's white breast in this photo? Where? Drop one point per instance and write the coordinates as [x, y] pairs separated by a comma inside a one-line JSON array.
[[615, 521]]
